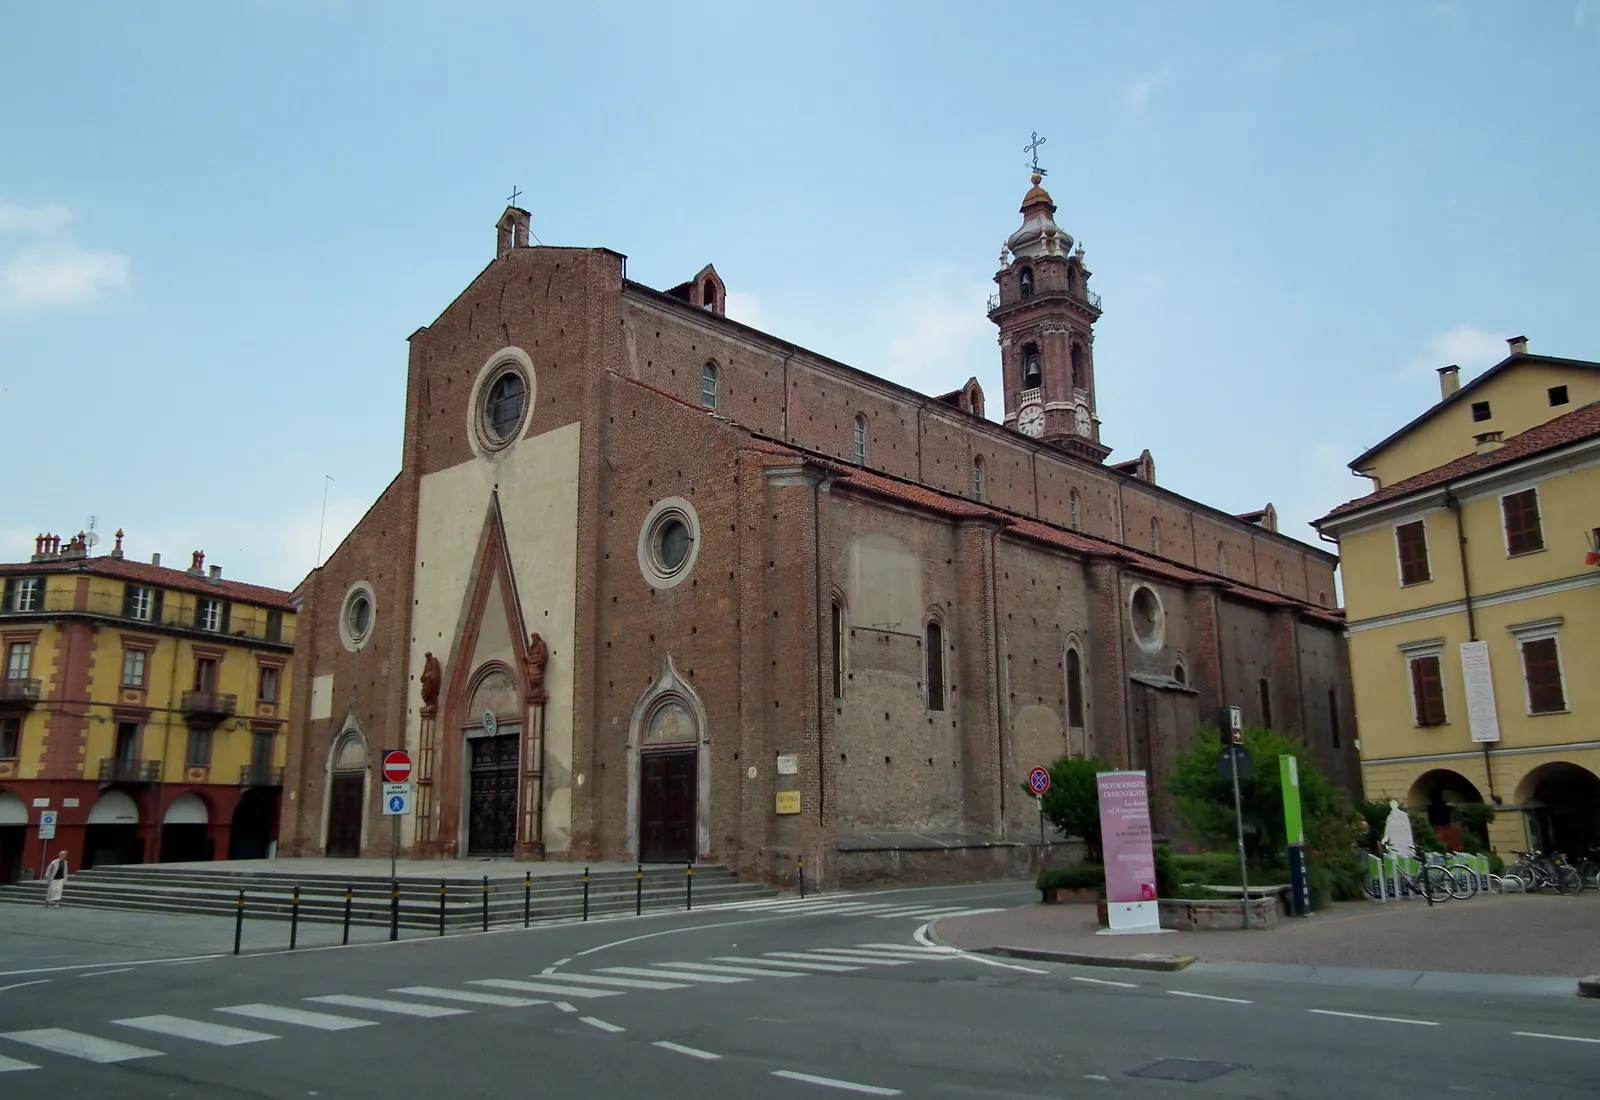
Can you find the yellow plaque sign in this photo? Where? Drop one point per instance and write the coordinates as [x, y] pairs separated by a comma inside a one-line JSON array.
[[788, 802]]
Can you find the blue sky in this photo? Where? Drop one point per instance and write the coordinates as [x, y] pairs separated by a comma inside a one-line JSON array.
[[219, 223]]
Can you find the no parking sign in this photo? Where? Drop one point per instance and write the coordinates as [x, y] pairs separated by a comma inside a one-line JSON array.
[[1038, 781]]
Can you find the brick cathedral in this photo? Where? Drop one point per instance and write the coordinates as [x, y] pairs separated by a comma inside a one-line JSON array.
[[652, 584]]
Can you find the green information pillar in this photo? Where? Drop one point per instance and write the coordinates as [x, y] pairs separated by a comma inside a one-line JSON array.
[[1295, 831]]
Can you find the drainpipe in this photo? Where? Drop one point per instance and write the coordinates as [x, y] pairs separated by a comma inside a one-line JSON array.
[[1001, 676], [822, 700], [1454, 505]]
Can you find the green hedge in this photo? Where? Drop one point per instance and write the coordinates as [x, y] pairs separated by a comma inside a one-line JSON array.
[[1084, 875]]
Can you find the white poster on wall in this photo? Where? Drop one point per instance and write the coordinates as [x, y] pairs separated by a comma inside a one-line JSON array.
[[1482, 717]]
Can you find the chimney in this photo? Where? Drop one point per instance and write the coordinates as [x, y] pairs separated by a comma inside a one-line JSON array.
[[1518, 345], [511, 231], [1488, 442], [197, 563], [155, 559], [116, 551], [216, 572], [1449, 380]]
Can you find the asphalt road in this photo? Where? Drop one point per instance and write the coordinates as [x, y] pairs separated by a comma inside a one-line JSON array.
[[836, 997]]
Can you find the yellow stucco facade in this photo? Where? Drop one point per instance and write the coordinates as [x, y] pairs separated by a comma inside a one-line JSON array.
[[1493, 551]]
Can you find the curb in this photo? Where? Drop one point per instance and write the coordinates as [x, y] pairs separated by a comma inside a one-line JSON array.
[[1125, 962], [1590, 986]]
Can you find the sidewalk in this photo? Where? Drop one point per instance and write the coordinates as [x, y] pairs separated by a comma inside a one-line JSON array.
[[1533, 934]]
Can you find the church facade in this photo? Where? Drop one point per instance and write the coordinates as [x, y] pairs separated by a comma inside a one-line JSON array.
[[652, 584]]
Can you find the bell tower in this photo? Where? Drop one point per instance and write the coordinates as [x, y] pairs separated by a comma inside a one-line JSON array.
[[1046, 314]]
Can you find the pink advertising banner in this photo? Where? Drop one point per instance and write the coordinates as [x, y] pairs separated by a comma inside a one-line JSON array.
[[1130, 860]]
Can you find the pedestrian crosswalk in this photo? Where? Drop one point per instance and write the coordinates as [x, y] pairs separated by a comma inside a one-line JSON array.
[[844, 906], [345, 1011]]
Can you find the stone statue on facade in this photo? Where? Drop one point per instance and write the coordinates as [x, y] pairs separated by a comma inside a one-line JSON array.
[[538, 656], [430, 683]]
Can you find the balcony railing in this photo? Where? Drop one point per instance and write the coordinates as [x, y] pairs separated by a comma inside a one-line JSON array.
[[254, 775], [19, 693], [114, 770], [1084, 297], [208, 704]]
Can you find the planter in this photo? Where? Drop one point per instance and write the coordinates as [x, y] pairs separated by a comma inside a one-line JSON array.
[[1071, 895], [1183, 915]]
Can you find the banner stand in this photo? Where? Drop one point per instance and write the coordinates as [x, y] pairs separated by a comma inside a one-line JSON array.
[[1131, 905]]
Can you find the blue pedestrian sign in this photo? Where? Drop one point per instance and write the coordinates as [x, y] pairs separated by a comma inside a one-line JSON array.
[[396, 799]]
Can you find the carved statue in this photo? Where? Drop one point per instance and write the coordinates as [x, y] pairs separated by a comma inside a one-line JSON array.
[[538, 656], [430, 681]]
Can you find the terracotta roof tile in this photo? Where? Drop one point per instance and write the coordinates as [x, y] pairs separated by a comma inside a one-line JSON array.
[[156, 576]]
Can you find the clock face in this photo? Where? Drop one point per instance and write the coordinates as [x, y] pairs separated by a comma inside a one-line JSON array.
[[1030, 421]]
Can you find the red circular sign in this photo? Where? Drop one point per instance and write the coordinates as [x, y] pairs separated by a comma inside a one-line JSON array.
[[1039, 780], [396, 766]]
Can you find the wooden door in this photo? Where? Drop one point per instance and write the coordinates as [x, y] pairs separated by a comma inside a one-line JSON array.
[[492, 816], [667, 806], [344, 815]]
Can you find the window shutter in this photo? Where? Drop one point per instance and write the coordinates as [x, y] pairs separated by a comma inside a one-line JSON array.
[[200, 614], [11, 595], [155, 606], [128, 591], [1543, 670], [227, 614]]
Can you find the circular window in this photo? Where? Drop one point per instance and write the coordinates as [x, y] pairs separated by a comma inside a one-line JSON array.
[[504, 406], [669, 542], [1149, 619], [355, 619]]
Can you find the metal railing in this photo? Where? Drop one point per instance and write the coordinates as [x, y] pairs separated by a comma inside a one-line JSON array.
[[209, 703], [255, 775], [1084, 297], [19, 690], [114, 770]]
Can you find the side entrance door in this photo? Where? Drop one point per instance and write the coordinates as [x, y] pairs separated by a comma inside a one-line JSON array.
[[492, 815], [667, 806], [344, 815]]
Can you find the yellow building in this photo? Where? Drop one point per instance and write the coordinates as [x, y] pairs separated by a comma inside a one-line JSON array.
[[144, 706], [1472, 591]]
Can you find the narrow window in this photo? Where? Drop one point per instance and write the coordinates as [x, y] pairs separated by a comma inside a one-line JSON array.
[[1523, 533], [127, 745], [274, 626], [1427, 690], [708, 386], [1222, 559], [199, 750], [1541, 664], [1074, 689], [268, 691], [1030, 366], [1155, 535], [977, 477], [861, 440], [19, 660], [1333, 718], [1277, 575], [140, 603], [29, 595], [205, 675], [1411, 542], [935, 667], [838, 650], [133, 661], [1558, 396], [10, 737], [210, 615], [1265, 690], [709, 295], [1025, 282], [1073, 505], [1480, 411], [1077, 367], [1179, 674]]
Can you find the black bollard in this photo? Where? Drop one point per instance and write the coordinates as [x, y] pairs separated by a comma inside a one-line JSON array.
[[638, 891], [586, 893], [441, 906], [802, 876], [349, 898], [486, 903], [394, 909], [527, 897], [294, 919], [688, 885], [238, 923]]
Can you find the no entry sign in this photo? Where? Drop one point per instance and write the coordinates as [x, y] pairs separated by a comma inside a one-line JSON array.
[[396, 766], [1038, 781]]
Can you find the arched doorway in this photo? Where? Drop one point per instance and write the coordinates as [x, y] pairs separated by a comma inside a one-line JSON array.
[[493, 735], [1561, 802], [13, 836], [1435, 793], [113, 833], [347, 794], [184, 831], [255, 821], [669, 792]]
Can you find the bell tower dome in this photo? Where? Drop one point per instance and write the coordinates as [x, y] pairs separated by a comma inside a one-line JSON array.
[[1046, 314]]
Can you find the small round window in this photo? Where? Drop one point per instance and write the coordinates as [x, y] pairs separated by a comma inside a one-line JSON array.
[[355, 618], [502, 411], [669, 542], [1149, 619], [359, 617], [672, 544]]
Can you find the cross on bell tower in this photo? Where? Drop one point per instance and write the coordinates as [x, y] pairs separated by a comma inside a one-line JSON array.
[[1046, 314]]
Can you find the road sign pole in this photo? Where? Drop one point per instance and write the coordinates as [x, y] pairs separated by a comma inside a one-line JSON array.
[[1040, 800], [1244, 874], [394, 843]]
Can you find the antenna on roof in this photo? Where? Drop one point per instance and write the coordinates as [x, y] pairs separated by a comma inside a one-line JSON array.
[[90, 539]]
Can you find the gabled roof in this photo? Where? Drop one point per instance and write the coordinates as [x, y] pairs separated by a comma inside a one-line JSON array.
[[1574, 427], [1466, 391], [156, 576]]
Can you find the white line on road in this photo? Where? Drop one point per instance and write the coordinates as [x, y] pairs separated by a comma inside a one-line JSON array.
[[11, 1065], [565, 1007], [19, 985], [1210, 997], [921, 936], [467, 996], [834, 1083], [75, 1044], [1364, 1016], [601, 1024], [742, 971], [379, 1004], [1105, 981], [322, 1021], [103, 973], [551, 988], [102, 965], [851, 954], [912, 949], [602, 979], [201, 1032], [643, 972], [839, 967], [693, 1052], [1547, 1035]]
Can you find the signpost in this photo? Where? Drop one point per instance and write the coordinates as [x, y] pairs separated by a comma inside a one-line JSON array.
[[1039, 784], [1294, 830], [1235, 764], [47, 833], [396, 798]]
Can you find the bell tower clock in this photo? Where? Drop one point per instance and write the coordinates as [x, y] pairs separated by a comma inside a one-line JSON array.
[[1046, 314]]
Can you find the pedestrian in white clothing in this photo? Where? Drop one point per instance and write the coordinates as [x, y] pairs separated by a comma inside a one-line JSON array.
[[56, 876]]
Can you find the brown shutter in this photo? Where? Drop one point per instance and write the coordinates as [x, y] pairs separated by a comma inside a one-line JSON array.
[[1542, 667], [1427, 689]]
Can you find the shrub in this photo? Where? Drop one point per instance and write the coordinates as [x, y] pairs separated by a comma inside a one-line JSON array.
[[1474, 819], [1084, 875], [1072, 804], [1214, 868], [1166, 871]]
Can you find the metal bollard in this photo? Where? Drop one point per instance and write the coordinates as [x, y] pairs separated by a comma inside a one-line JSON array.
[[238, 923], [586, 893], [802, 876], [638, 890], [349, 898], [394, 909], [441, 906], [294, 919], [486, 903], [688, 885], [527, 897]]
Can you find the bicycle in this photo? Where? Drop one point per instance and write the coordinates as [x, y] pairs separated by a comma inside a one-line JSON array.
[[1431, 881], [1536, 870]]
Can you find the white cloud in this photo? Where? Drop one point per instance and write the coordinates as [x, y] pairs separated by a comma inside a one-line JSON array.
[[937, 333], [36, 219], [1466, 346], [1137, 95], [744, 308], [64, 275]]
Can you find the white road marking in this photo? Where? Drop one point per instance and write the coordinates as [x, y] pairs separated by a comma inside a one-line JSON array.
[[922, 911], [643, 972], [871, 958], [11, 1065], [75, 1044], [19, 985], [322, 1021], [103, 973], [971, 912], [467, 996], [103, 965], [832, 967], [624, 983], [1105, 981], [913, 950], [379, 1004], [830, 957], [545, 987], [1210, 997], [201, 1032], [1547, 1035], [601, 1024], [565, 1007], [743, 971], [835, 1083], [1381, 1019], [921, 936], [693, 1052]]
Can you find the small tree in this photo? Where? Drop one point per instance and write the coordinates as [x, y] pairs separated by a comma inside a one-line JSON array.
[[1072, 804]]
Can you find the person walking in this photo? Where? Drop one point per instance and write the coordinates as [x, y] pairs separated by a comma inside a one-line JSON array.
[[56, 877]]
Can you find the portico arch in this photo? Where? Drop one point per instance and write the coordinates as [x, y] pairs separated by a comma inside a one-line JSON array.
[[669, 776], [344, 809], [491, 733]]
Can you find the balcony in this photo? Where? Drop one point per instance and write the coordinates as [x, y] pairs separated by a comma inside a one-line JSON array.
[[19, 694], [114, 770], [1086, 298], [254, 775], [208, 705]]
